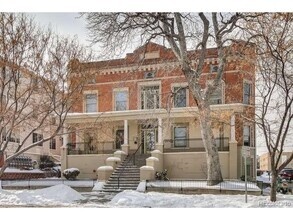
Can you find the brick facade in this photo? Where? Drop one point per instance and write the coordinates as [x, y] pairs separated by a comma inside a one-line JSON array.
[[129, 74]]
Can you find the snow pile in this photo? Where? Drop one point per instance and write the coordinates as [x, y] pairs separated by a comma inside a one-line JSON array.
[[98, 186], [51, 196], [168, 200], [141, 186]]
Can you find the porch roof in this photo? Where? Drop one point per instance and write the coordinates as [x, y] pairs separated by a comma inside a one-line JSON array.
[[147, 113]]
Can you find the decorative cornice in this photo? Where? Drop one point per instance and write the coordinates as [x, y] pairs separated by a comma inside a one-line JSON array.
[[152, 67]]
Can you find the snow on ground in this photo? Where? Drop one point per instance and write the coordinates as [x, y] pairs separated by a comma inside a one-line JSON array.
[[51, 196], [64, 196], [168, 200], [265, 177]]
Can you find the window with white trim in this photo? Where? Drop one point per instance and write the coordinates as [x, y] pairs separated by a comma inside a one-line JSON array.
[[247, 88], [150, 97], [14, 137], [53, 144], [246, 135], [91, 103], [121, 99], [217, 96], [37, 137], [180, 136], [180, 97]]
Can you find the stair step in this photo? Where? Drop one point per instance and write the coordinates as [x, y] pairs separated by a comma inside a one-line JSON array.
[[121, 187], [128, 174], [114, 184], [124, 179]]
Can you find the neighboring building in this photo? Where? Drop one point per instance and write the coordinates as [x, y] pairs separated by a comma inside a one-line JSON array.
[[143, 101], [28, 84], [265, 160]]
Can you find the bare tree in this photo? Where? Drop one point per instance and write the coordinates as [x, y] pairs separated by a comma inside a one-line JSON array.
[[272, 35], [36, 90], [182, 31]]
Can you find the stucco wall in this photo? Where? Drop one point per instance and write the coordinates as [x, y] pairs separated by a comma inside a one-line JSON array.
[[87, 164], [192, 165]]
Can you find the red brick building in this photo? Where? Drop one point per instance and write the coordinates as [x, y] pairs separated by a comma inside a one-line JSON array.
[[143, 102]]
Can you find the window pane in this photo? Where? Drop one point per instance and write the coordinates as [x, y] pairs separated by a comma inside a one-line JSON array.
[[91, 103], [246, 136], [120, 101], [180, 97], [247, 93], [53, 143], [216, 97], [180, 137], [150, 97]]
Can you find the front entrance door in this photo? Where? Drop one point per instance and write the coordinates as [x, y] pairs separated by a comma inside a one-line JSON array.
[[148, 140], [119, 138]]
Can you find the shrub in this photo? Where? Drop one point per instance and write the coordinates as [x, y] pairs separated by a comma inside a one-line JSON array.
[[71, 173], [162, 175], [46, 162]]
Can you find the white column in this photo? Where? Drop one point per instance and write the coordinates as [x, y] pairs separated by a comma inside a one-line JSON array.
[[125, 132], [232, 132], [160, 133], [64, 149], [65, 136]]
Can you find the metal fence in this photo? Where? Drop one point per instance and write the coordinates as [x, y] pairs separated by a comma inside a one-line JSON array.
[[86, 148], [189, 185], [40, 183], [193, 145]]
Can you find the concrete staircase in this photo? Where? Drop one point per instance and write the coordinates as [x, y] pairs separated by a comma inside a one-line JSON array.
[[127, 173]]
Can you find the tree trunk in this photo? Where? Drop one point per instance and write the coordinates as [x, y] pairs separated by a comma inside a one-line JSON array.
[[214, 174], [273, 195]]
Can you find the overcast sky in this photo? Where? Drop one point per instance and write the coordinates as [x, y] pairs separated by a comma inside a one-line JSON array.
[[68, 24]]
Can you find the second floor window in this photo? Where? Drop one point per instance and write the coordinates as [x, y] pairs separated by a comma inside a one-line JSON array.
[[37, 137], [14, 137], [217, 95], [53, 144], [120, 100], [91, 103], [246, 93], [150, 98], [246, 136], [179, 97]]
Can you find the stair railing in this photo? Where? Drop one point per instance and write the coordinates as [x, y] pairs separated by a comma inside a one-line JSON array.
[[132, 156]]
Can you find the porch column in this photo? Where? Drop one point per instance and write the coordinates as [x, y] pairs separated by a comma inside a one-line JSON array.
[[125, 146], [160, 133], [159, 145], [64, 149], [233, 163], [125, 132], [232, 131]]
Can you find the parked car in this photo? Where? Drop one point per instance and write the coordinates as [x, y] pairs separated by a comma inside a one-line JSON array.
[[287, 174]]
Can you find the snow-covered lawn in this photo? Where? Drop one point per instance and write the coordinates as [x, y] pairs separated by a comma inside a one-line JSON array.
[[63, 196], [53, 196], [169, 200]]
